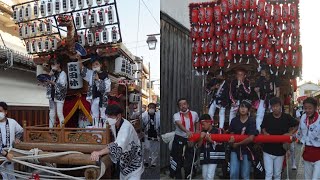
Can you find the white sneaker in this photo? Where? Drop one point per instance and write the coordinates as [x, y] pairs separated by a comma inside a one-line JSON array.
[[294, 167]]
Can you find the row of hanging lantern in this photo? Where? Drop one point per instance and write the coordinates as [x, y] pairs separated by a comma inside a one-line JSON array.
[[48, 8], [33, 29], [98, 37], [123, 66], [231, 30], [41, 45], [94, 18]]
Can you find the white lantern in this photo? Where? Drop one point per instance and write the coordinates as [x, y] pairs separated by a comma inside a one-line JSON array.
[[28, 12], [75, 79], [134, 98], [27, 31], [110, 15], [102, 16], [90, 38], [36, 10], [106, 1], [50, 7], [57, 6], [21, 14], [97, 38], [65, 6], [54, 42], [89, 2], [49, 27], [82, 39], [114, 34], [40, 45], [34, 29], [78, 21], [40, 70], [16, 14], [35, 47], [43, 9], [86, 21], [94, 18], [28, 47], [22, 31], [80, 4], [42, 27], [73, 4], [99, 2], [105, 35], [47, 44], [120, 65]]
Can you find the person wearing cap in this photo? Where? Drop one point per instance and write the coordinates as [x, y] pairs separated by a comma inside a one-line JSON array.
[[309, 135], [57, 90], [99, 87], [10, 133], [276, 123], [181, 155], [151, 127], [211, 152], [239, 91], [241, 153], [265, 88], [219, 89]]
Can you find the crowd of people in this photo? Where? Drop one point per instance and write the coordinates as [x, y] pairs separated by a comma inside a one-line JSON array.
[[240, 157]]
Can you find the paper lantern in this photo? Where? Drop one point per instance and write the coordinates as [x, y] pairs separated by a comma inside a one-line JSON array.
[[210, 31], [287, 57], [294, 43], [238, 5], [28, 47], [293, 11], [74, 77], [49, 27], [78, 21], [73, 4], [295, 28], [271, 27], [99, 2], [89, 2], [208, 15], [28, 12], [195, 60], [197, 46], [245, 5], [262, 38], [285, 43], [260, 8], [253, 18], [278, 30], [86, 21], [277, 44], [194, 15], [194, 32], [224, 8], [211, 45], [234, 48], [65, 5], [220, 60], [240, 34], [246, 17], [202, 32], [36, 10], [232, 34], [203, 60], [202, 17], [217, 14], [285, 12], [270, 56], [204, 46], [81, 39], [288, 29], [80, 4], [248, 48], [225, 41], [209, 60], [98, 39], [261, 25], [254, 34], [47, 44], [255, 49], [94, 18], [102, 16], [16, 14], [232, 19], [239, 19], [261, 54], [228, 56], [105, 35], [35, 46], [54, 43], [110, 15], [134, 98], [268, 11], [49, 7], [43, 9], [90, 38], [278, 59], [253, 5], [241, 48], [269, 43], [120, 65], [218, 45], [217, 30], [27, 31], [40, 45], [42, 27], [277, 13], [57, 6], [247, 34], [225, 24], [231, 6]]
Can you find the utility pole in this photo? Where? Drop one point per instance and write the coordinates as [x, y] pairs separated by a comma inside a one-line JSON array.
[[150, 86]]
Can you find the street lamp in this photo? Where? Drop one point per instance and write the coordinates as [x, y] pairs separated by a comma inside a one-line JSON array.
[[152, 41]]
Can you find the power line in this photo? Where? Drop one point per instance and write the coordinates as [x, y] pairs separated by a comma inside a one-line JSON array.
[[150, 13]]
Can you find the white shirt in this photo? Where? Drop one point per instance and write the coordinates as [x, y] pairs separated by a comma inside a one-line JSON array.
[[177, 117], [309, 136], [146, 119], [14, 128]]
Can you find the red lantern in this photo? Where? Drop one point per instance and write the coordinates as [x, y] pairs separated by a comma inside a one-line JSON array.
[[254, 34], [209, 15], [218, 45], [285, 12], [255, 49], [231, 6], [295, 59], [210, 61], [268, 44], [194, 32], [221, 59], [278, 30], [204, 46], [195, 60], [208, 31], [287, 57], [248, 48], [217, 30], [247, 35], [232, 19], [261, 54], [224, 7], [202, 33], [228, 56], [202, 16], [232, 34], [285, 43], [241, 48], [260, 8], [225, 41], [294, 84], [271, 27], [194, 15], [203, 61], [240, 34], [253, 18], [239, 19], [295, 28], [277, 13], [262, 38], [293, 11], [237, 5], [253, 5], [277, 44], [261, 25], [234, 48], [217, 14], [294, 43], [225, 24], [267, 11], [197, 46], [270, 57], [278, 59], [288, 29], [246, 17], [211, 45], [245, 5]]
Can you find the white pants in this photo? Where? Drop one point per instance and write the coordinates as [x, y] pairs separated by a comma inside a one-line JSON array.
[[292, 154], [273, 166], [10, 167], [260, 114], [56, 108], [222, 115], [208, 171], [136, 175], [233, 112], [96, 111], [311, 170], [151, 151]]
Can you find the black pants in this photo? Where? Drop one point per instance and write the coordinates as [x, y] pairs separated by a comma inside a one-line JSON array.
[[177, 160]]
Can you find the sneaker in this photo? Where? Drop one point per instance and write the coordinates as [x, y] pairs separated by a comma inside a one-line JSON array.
[[294, 167]]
